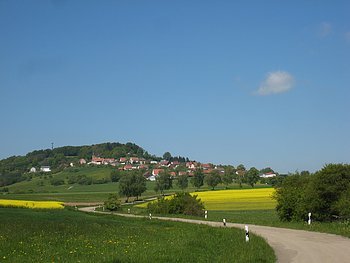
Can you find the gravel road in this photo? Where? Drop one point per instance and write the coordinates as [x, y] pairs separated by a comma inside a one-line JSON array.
[[290, 245]]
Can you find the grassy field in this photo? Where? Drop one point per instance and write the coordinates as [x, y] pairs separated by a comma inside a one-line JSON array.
[[70, 236], [40, 188]]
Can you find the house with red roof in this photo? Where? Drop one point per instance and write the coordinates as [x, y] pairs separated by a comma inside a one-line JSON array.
[[128, 167], [156, 172]]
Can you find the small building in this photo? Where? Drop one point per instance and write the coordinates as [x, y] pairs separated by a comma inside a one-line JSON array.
[[268, 175], [134, 160], [128, 167], [156, 172], [82, 161], [32, 170], [45, 169], [123, 160]]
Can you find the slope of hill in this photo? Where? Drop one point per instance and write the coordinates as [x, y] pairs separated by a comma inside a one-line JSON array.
[[15, 169]]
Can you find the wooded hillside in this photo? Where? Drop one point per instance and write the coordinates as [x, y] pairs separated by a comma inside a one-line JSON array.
[[13, 169]]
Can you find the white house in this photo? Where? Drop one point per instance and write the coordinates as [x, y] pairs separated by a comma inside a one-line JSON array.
[[268, 175], [45, 169], [32, 170], [151, 178]]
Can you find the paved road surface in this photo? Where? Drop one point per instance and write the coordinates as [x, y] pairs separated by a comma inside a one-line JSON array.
[[289, 245]]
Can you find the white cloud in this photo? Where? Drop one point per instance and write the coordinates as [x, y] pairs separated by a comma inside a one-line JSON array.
[[325, 29], [276, 82]]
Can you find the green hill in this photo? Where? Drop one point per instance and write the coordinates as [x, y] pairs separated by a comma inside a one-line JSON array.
[[15, 169]]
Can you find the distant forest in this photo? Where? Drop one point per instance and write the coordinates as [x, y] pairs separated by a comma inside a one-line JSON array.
[[13, 169]]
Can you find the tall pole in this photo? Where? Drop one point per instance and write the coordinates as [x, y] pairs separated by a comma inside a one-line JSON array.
[[52, 146]]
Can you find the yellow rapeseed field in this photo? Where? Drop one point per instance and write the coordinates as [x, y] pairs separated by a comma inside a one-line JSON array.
[[243, 199], [31, 204], [239, 199]]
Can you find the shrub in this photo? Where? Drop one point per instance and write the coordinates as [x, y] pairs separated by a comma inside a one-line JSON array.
[[291, 199], [113, 203], [325, 194], [99, 181], [84, 180], [56, 181], [180, 203], [115, 176]]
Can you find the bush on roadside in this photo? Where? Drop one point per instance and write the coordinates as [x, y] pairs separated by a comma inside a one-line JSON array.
[[113, 203], [180, 203], [325, 194]]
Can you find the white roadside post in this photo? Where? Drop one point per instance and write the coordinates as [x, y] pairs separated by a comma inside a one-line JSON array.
[[103, 208], [246, 234], [150, 216], [206, 214], [224, 221], [128, 210], [309, 221]]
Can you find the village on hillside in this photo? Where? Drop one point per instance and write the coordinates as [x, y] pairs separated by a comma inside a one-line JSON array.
[[153, 168]]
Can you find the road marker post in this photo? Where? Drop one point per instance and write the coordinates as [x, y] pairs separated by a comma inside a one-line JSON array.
[[224, 221], [128, 210], [246, 234], [309, 221], [206, 214], [150, 216]]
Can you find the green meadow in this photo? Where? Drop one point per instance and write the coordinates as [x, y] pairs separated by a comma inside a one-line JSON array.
[[71, 236], [40, 188]]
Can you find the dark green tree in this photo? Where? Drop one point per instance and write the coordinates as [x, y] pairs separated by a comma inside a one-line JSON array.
[[213, 179], [327, 190], [182, 181], [113, 202], [132, 184], [167, 156], [252, 176], [325, 194], [290, 198], [115, 175], [241, 167], [163, 182], [198, 179], [227, 177]]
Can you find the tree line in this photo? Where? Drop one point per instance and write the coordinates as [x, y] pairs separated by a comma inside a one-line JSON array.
[[133, 183], [325, 194]]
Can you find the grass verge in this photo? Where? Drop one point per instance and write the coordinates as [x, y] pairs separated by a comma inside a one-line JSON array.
[[70, 236]]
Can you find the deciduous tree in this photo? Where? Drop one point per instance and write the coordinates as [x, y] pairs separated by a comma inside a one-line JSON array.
[[198, 179], [213, 179], [163, 182]]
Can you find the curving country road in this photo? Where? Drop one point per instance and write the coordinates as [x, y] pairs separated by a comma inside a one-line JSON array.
[[290, 245]]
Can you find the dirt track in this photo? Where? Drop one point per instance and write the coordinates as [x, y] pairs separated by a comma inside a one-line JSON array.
[[289, 245]]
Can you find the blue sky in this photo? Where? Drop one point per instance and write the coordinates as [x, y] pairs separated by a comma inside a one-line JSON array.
[[263, 83]]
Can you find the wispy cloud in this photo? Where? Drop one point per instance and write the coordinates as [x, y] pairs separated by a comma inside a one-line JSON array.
[[276, 82], [325, 29]]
